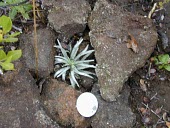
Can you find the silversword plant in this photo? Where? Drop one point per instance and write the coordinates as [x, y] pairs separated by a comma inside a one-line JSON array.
[[73, 63]]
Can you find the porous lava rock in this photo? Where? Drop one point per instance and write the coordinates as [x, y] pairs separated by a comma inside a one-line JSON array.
[[68, 17], [20, 105], [45, 49], [109, 29], [59, 100], [113, 114]]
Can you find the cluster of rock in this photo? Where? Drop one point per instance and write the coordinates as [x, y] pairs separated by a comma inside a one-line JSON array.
[[21, 105]]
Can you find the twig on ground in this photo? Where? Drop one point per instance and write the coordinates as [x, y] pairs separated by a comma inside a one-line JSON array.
[[41, 85], [146, 105], [165, 110], [149, 70], [3, 10], [154, 96], [152, 10], [160, 122], [151, 110], [16, 28], [156, 114]]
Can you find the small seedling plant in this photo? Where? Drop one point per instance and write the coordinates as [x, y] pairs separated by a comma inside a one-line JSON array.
[[73, 63], [5, 28], [17, 7], [7, 59], [6, 37], [163, 61]]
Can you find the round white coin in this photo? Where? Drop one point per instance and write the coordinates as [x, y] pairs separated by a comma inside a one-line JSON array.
[[87, 104]]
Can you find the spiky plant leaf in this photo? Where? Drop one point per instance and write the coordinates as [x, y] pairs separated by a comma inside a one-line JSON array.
[[73, 84], [61, 71], [87, 55], [60, 61], [63, 58], [64, 76], [62, 50], [83, 61], [83, 53], [85, 65], [76, 48], [82, 73], [73, 78]]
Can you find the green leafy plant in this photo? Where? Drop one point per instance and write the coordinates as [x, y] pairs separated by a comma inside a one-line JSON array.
[[161, 4], [5, 36], [73, 63], [17, 6], [7, 59], [163, 61], [5, 28]]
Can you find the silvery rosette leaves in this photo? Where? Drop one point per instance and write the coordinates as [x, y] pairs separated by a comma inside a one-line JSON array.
[[73, 63]]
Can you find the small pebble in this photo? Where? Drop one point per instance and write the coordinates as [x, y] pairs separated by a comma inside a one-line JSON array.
[[146, 120], [152, 71], [143, 111], [143, 85]]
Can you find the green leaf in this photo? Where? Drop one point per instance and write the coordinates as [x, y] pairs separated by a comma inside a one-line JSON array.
[[161, 66], [13, 10], [16, 54], [167, 67], [8, 59], [10, 39], [25, 15], [20, 9], [161, 4], [14, 34], [6, 24], [164, 58], [156, 61], [9, 1], [12, 13], [2, 55], [7, 66], [28, 7], [2, 4]]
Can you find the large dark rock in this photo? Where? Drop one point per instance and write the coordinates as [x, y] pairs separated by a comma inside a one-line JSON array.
[[68, 17], [45, 42], [59, 100], [19, 104], [109, 27], [113, 114]]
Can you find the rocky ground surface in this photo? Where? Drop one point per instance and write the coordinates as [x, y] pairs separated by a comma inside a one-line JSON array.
[[129, 95], [20, 105]]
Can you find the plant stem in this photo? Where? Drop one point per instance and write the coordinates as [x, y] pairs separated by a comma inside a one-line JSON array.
[[35, 39]]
